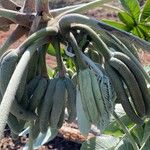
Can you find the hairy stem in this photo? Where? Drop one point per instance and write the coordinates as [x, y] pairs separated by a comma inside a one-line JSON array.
[[72, 41], [98, 25], [42, 6], [23, 19], [9, 4], [13, 37]]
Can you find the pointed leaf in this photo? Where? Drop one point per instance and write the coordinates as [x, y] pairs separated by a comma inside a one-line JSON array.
[[103, 142], [126, 19], [145, 11], [132, 7], [116, 24]]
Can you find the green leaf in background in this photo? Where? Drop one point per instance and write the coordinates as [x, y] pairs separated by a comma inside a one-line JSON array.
[[126, 19], [50, 71], [124, 145], [137, 32], [51, 50], [132, 7], [118, 25], [145, 29], [145, 11], [103, 142]]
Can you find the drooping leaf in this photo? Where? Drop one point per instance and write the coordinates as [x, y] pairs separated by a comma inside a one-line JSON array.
[[83, 123], [145, 11], [124, 145], [103, 142], [126, 19], [132, 7], [118, 25]]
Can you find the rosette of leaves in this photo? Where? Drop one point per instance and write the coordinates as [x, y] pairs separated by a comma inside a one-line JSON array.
[[133, 18]]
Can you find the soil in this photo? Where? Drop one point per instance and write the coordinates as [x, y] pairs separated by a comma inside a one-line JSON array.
[[69, 137]]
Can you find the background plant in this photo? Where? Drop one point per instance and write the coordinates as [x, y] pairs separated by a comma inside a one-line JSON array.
[[133, 18]]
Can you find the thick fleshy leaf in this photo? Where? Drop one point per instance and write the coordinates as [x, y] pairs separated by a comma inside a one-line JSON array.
[[132, 7], [145, 11], [43, 138], [103, 142], [126, 19], [116, 24], [124, 145], [83, 123]]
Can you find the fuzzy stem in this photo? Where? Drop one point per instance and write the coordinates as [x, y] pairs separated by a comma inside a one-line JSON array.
[[23, 19], [126, 131], [15, 80], [72, 41], [13, 37], [42, 6], [9, 4], [41, 33], [101, 47], [29, 6], [85, 7], [60, 65], [30, 136], [69, 19]]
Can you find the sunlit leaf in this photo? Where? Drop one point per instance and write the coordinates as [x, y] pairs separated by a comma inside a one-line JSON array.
[[126, 19], [145, 11], [116, 24], [132, 7]]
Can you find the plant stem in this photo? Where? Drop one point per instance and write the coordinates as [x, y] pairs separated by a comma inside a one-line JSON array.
[[13, 37], [69, 19], [30, 136], [72, 41], [9, 4], [101, 47], [126, 131], [85, 7], [42, 6], [23, 19]]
